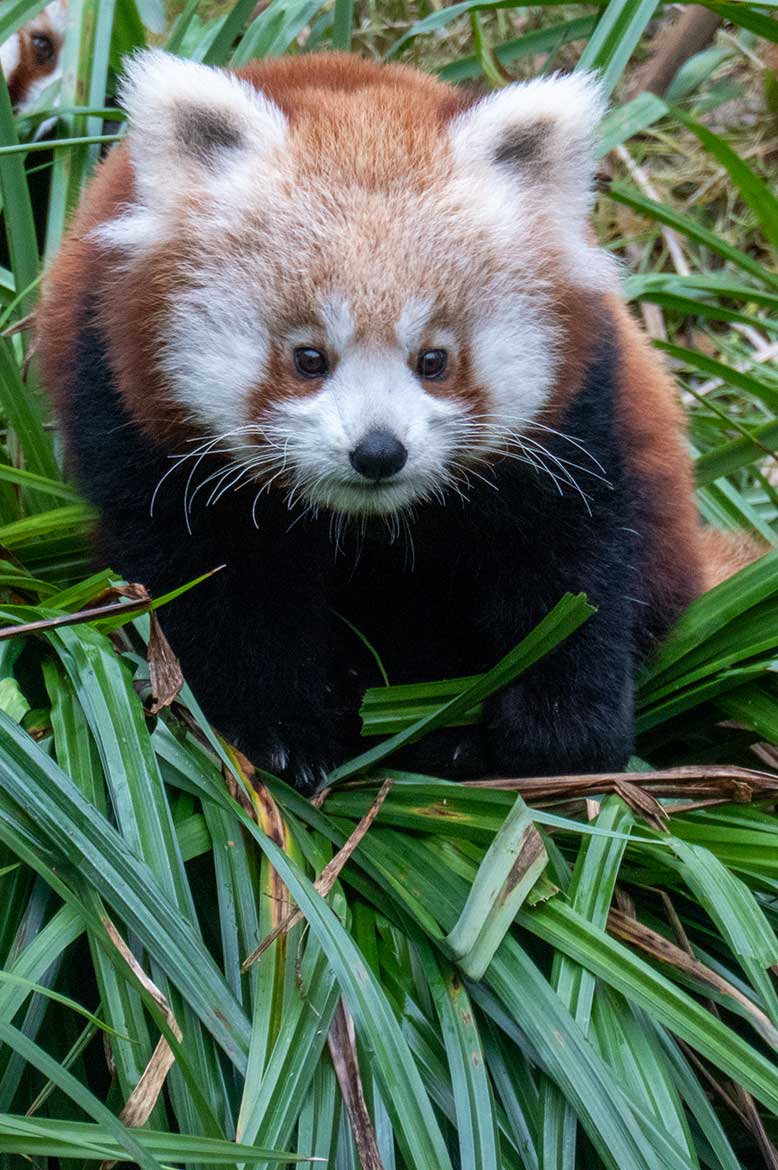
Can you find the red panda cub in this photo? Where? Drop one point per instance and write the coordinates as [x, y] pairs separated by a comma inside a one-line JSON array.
[[344, 330], [31, 59]]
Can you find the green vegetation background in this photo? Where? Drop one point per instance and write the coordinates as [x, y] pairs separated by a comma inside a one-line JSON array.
[[526, 976]]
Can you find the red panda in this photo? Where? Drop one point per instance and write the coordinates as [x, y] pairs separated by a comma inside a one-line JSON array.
[[344, 329], [31, 59]]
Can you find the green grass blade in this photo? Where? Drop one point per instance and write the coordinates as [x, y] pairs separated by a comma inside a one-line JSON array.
[[17, 208], [664, 1001], [18, 13], [24, 411], [220, 48], [514, 861], [440, 17], [343, 24], [76, 831], [43, 1137], [476, 1122], [67, 1083], [539, 40], [417, 1129], [615, 39], [591, 890], [706, 616], [737, 915], [85, 59], [181, 26], [661, 213], [754, 190], [738, 453], [765, 391]]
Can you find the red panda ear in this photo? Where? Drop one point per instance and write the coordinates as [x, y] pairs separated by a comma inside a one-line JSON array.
[[529, 150], [189, 121], [542, 130]]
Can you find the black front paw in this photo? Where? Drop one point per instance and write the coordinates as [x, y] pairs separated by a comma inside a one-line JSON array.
[[301, 755], [451, 753], [555, 738]]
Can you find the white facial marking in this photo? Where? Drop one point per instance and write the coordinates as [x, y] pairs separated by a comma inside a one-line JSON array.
[[52, 21], [215, 353], [371, 389], [194, 130], [412, 323], [338, 321], [10, 55], [514, 350], [35, 90], [57, 13]]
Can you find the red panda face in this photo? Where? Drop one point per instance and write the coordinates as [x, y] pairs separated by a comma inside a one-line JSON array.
[[360, 298], [31, 59]]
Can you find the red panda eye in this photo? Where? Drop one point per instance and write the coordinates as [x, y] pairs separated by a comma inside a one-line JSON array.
[[43, 47], [310, 363], [432, 363]]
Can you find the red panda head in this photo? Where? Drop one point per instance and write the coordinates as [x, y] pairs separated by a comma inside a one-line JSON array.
[[361, 280], [31, 59]]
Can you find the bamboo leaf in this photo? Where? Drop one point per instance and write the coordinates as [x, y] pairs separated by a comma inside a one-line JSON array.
[[512, 865], [615, 39]]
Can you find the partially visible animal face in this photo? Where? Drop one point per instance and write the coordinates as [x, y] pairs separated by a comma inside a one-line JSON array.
[[360, 300], [32, 59]]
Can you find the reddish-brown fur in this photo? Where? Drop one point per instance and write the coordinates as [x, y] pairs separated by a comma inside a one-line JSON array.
[[653, 426], [346, 92], [725, 553]]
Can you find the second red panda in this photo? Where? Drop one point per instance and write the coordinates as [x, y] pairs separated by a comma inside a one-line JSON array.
[[32, 58], [344, 329]]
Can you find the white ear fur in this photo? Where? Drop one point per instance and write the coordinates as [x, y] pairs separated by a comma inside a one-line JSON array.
[[534, 143], [190, 123], [550, 121]]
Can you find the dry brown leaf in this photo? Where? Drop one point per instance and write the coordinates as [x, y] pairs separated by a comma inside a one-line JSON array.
[[164, 668], [643, 804], [141, 1101], [343, 1050], [20, 326], [652, 943], [721, 783], [256, 799]]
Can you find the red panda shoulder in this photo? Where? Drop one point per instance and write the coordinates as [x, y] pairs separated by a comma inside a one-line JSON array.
[[653, 428]]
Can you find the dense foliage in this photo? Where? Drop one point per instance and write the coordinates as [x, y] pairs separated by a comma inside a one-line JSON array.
[[524, 975]]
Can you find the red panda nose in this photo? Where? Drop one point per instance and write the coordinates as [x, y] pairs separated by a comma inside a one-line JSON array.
[[379, 455]]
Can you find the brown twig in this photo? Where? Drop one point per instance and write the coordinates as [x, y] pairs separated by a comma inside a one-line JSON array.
[[737, 785], [676, 41], [671, 238], [20, 326], [137, 599], [75, 619]]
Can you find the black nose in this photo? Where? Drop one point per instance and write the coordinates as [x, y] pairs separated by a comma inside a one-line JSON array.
[[379, 455]]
